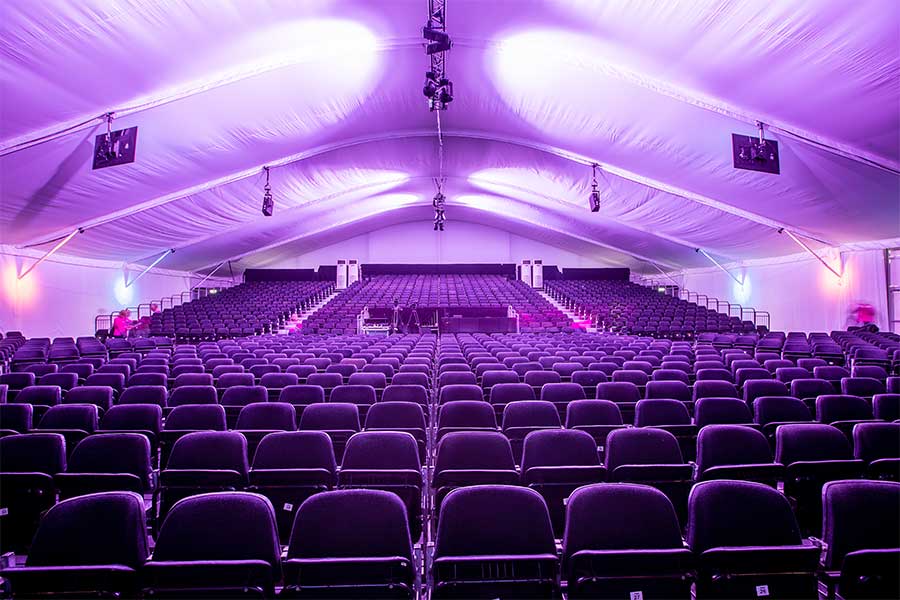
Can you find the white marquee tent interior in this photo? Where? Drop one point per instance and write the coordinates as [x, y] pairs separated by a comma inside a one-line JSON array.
[[328, 94]]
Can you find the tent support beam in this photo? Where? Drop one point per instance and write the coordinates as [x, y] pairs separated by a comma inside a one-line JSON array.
[[658, 268], [809, 250], [723, 269], [210, 274], [153, 264], [50, 252]]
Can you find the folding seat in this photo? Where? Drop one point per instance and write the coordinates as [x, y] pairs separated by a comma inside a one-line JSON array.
[[100, 396], [348, 544], [462, 367], [194, 379], [708, 363], [454, 392], [810, 363], [677, 365], [187, 419], [301, 396], [866, 387], [259, 370], [672, 416], [114, 380], [16, 418], [406, 393], [466, 415], [723, 411], [106, 463], [388, 461], [832, 374], [288, 467], [219, 544], [843, 411], [73, 421], [275, 382], [65, 381], [200, 462], [83, 371], [871, 371], [773, 365], [339, 420], [457, 378], [144, 419], [377, 381], [878, 446], [29, 462], [813, 454], [861, 532], [638, 378], [560, 394], [363, 396], [492, 378], [636, 365], [91, 546], [42, 369], [110, 367], [193, 394], [589, 380], [555, 463], [715, 375], [756, 388], [736, 452], [744, 376], [408, 417], [465, 458], [604, 559], [386, 370], [789, 374], [809, 389], [625, 394], [522, 417], [510, 554], [741, 557], [145, 394], [886, 406], [344, 370], [893, 385], [409, 378], [674, 390], [41, 397], [147, 379]]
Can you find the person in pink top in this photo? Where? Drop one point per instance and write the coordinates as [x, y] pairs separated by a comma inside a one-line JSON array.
[[121, 324]]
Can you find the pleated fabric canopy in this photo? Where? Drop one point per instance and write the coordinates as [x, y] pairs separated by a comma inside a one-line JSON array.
[[328, 93]]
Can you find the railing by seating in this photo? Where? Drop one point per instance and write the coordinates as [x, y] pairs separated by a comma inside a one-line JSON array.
[[732, 309]]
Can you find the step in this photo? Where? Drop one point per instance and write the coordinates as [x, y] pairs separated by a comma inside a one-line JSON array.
[[296, 321], [577, 319]]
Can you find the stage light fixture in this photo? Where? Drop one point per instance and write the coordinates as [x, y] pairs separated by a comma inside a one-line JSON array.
[[439, 211], [594, 198], [268, 205], [438, 88]]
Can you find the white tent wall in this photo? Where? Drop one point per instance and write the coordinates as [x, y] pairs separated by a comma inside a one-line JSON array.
[[797, 290], [62, 295], [417, 242]]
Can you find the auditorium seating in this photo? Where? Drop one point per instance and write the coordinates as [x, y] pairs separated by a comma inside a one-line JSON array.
[[440, 417]]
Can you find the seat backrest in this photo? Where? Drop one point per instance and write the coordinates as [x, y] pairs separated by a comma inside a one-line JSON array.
[[862, 386], [210, 450], [721, 411], [775, 409], [218, 527], [717, 516], [405, 378], [275, 416], [40, 395], [331, 416], [873, 441], [394, 450], [33, 453], [661, 412], [618, 391], [108, 528], [302, 394], [295, 450], [193, 394], [16, 417], [462, 450], [886, 406], [859, 515], [354, 394], [351, 524], [541, 378], [492, 378], [244, 395], [454, 392], [467, 413], [373, 380], [139, 417], [196, 416], [113, 453], [810, 442], [404, 415], [71, 416], [641, 446], [720, 445], [530, 413], [652, 523], [278, 380], [592, 412], [148, 379], [836, 407], [145, 394], [113, 380], [810, 388], [512, 521], [559, 448], [755, 388]]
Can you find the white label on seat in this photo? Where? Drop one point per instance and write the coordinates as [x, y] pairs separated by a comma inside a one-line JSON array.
[[4, 512], [636, 595], [288, 506], [762, 590], [599, 448]]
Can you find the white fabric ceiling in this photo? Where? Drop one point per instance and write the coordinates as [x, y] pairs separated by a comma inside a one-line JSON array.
[[329, 93]]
